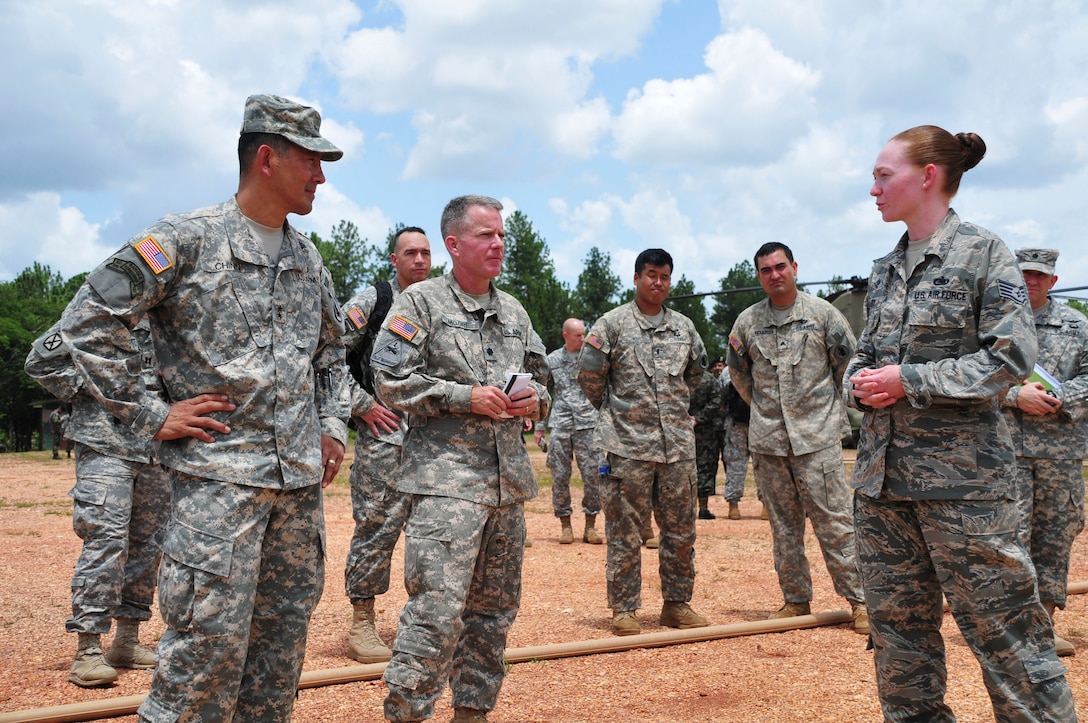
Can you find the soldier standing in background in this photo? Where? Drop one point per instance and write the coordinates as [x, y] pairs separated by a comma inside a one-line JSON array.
[[58, 422], [444, 357], [787, 355], [247, 335], [639, 366], [736, 415], [120, 500], [571, 422], [378, 508], [1050, 435], [709, 415]]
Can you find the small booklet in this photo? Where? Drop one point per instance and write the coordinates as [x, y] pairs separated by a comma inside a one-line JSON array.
[[1045, 378], [515, 382]]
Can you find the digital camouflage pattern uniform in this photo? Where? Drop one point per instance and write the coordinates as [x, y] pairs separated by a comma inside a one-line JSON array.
[[1050, 450], [706, 408], [790, 375], [243, 551], [469, 477], [121, 496], [934, 508], [641, 378], [572, 422], [380, 511], [734, 441]]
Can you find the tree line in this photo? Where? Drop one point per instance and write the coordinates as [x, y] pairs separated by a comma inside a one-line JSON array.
[[35, 299]]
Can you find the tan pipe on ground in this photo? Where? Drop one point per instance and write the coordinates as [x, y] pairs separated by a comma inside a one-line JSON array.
[[116, 707]]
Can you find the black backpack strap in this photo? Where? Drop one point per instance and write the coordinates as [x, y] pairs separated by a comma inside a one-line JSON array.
[[381, 307]]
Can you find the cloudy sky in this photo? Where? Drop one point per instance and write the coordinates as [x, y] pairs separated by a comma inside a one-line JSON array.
[[623, 124]]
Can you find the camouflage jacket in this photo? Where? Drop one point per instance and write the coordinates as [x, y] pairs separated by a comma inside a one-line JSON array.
[[641, 378], [1062, 333], [570, 408], [50, 364], [224, 319], [438, 343], [707, 406], [361, 401], [961, 330], [790, 375]]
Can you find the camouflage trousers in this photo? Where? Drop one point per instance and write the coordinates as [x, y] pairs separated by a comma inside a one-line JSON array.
[[243, 568], [631, 491], [813, 486], [911, 552], [380, 512], [118, 511], [462, 570], [564, 446], [709, 448], [735, 458], [1050, 495]]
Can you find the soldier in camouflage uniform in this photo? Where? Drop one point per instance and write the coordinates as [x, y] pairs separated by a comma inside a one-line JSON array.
[[639, 366], [948, 332], [572, 421], [709, 415], [121, 498], [1050, 434], [443, 357], [787, 355], [247, 334], [378, 508], [736, 415]]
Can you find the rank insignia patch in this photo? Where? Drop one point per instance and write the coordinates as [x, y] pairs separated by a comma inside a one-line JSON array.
[[153, 254], [402, 327]]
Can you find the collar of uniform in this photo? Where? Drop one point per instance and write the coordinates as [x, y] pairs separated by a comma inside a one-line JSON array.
[[940, 241], [644, 323], [797, 312], [246, 248], [467, 300]]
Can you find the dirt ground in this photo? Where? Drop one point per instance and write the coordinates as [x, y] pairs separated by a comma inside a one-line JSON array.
[[819, 674]]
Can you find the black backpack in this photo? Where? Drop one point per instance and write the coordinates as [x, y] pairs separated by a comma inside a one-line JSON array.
[[359, 357]]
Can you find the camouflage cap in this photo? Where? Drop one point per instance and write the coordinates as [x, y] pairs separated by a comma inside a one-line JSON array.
[[1037, 260], [297, 123]]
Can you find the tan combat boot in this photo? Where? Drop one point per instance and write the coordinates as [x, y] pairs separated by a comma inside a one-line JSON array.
[[1062, 647], [680, 615], [89, 667], [590, 535], [791, 610], [734, 510], [763, 513], [566, 534], [859, 618], [625, 622], [126, 651], [366, 646], [469, 715]]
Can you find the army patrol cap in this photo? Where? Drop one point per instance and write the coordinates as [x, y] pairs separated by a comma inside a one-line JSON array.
[[298, 123], [1042, 260]]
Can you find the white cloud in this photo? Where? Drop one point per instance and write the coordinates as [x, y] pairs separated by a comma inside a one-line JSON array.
[[752, 98], [38, 228]]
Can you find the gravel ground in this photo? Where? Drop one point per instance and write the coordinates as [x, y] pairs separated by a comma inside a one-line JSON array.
[[819, 674]]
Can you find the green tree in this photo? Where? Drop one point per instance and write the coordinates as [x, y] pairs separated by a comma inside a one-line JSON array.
[[739, 289], [694, 308], [528, 274], [29, 304], [598, 289], [352, 261], [1079, 305]]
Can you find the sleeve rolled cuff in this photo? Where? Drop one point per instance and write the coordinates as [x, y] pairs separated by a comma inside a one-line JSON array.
[[335, 428]]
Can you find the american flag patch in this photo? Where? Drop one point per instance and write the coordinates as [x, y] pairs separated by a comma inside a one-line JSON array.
[[153, 254], [402, 327], [594, 341], [357, 317], [735, 342], [1013, 292]]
